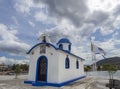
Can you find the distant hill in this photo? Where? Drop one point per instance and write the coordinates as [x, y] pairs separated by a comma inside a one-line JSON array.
[[112, 60]]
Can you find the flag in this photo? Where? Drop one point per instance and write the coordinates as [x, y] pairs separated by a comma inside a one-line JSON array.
[[97, 50], [101, 50]]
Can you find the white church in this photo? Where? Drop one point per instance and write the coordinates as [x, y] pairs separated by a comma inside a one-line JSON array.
[[53, 65]]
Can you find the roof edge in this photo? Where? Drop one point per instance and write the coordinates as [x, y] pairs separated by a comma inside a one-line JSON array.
[[56, 49], [40, 44]]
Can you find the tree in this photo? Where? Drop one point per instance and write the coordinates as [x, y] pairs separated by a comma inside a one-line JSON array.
[[24, 67], [110, 68], [17, 70], [86, 69], [98, 68]]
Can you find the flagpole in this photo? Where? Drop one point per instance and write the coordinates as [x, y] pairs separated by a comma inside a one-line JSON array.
[[94, 51], [92, 54], [94, 68], [93, 59]]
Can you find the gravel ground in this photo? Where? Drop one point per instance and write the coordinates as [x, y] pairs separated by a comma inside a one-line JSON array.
[[8, 82]]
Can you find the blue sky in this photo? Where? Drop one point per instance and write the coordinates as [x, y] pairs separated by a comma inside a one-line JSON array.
[[23, 21]]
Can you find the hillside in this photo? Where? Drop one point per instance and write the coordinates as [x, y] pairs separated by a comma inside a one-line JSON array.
[[112, 60]]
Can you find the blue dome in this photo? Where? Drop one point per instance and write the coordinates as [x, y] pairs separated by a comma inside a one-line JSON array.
[[64, 40]]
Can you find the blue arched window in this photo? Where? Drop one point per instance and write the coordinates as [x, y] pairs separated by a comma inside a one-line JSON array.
[[77, 64], [61, 46], [67, 63], [69, 47]]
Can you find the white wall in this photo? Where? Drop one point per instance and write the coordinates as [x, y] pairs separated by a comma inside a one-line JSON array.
[[65, 46], [52, 57], [32, 65], [52, 65], [57, 72], [72, 72]]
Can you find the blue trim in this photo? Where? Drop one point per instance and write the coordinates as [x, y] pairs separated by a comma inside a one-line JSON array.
[[55, 48], [56, 84], [69, 47], [70, 81], [40, 44], [28, 82], [63, 40], [73, 54], [37, 67]]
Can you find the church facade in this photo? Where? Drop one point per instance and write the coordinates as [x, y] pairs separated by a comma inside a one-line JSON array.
[[53, 65]]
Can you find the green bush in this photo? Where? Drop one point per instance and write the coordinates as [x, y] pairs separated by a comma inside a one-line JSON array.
[[110, 68], [17, 70]]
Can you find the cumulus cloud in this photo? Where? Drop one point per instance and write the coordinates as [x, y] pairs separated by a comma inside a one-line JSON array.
[[115, 35], [69, 9], [40, 16], [79, 15], [104, 5], [116, 10], [24, 6], [10, 42], [106, 30], [76, 12], [97, 17], [110, 46], [10, 61], [74, 19], [5, 35], [31, 23]]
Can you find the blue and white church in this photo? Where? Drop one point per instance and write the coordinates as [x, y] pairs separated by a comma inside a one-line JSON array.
[[53, 65]]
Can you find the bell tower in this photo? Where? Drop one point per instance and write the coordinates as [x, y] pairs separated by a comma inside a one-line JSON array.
[[64, 44]]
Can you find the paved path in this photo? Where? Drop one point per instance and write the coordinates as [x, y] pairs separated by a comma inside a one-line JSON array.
[[86, 83]]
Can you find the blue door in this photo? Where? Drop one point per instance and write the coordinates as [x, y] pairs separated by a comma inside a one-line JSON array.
[[42, 69]]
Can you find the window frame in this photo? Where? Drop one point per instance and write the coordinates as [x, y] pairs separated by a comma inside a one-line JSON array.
[[67, 63], [77, 64], [61, 46]]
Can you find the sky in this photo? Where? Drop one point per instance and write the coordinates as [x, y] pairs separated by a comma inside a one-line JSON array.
[[23, 21]]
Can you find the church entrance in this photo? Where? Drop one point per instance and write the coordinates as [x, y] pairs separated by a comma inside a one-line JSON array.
[[42, 69]]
